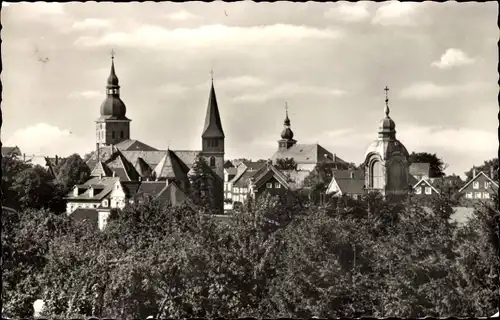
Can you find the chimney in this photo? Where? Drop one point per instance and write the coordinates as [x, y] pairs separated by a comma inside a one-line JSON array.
[[100, 176], [473, 172], [334, 157], [113, 173], [57, 159]]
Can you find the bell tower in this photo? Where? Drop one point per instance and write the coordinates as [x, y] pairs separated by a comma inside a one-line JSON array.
[[113, 126], [286, 140], [212, 137]]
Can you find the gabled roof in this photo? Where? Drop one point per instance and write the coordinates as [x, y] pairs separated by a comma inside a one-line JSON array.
[[101, 169], [130, 188], [307, 154], [254, 165], [11, 150], [187, 156], [477, 175], [122, 167], [213, 124], [420, 169], [243, 179], [426, 182], [152, 158], [142, 168], [107, 184], [151, 188], [231, 171], [134, 145], [171, 167], [270, 172], [349, 181], [412, 179], [173, 195]]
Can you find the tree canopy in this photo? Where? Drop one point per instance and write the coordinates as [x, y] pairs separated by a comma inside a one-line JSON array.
[[437, 166], [485, 167]]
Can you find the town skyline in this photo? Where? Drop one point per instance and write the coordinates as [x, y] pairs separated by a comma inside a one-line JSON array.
[[331, 73]]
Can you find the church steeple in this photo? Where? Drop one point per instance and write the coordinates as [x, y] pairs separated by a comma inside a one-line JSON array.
[[287, 133], [213, 125], [112, 79]]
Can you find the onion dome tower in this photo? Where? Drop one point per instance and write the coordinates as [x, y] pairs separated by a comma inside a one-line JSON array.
[[387, 160], [286, 140], [113, 126]]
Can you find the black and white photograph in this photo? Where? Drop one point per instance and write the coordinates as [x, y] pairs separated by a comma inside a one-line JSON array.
[[249, 159]]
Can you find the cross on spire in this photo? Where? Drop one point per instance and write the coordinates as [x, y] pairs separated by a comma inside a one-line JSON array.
[[112, 54], [386, 89], [212, 74]]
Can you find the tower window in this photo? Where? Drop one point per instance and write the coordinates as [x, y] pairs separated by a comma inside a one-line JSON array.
[[121, 134], [112, 134], [212, 162], [376, 175]]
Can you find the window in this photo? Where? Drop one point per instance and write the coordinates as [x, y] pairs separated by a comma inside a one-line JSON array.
[[355, 196], [468, 195], [487, 184], [212, 162], [475, 185], [112, 134], [418, 190], [486, 195], [110, 91], [105, 203], [269, 185], [478, 195], [428, 190], [376, 175], [277, 185], [121, 134]]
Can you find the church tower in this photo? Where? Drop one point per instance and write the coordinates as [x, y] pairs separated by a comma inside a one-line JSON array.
[[113, 126], [286, 140], [212, 136], [387, 161]]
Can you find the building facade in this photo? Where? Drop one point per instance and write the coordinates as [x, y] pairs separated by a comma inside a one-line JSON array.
[[480, 188], [387, 161]]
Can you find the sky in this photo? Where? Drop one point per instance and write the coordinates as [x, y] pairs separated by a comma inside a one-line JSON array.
[[329, 62]]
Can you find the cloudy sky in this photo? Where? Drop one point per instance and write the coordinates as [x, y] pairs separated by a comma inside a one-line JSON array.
[[328, 61]]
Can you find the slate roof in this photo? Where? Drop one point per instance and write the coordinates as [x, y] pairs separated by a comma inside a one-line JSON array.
[[213, 124], [474, 178], [101, 169], [254, 165], [130, 188], [142, 168], [231, 171], [9, 150], [267, 173], [243, 179], [307, 154], [151, 188], [107, 184], [171, 167], [349, 181], [412, 179], [420, 169], [134, 145]]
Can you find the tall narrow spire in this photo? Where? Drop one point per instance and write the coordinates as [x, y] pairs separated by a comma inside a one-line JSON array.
[[387, 110], [112, 79], [213, 124], [287, 120], [287, 133]]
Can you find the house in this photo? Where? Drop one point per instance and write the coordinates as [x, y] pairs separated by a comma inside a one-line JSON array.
[[239, 185], [11, 151], [424, 187], [271, 180], [481, 187], [347, 182], [229, 174], [306, 156], [420, 170]]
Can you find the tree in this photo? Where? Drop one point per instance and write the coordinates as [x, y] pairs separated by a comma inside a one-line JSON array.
[[485, 167], [33, 187], [11, 167], [436, 164], [71, 172], [286, 164], [202, 184]]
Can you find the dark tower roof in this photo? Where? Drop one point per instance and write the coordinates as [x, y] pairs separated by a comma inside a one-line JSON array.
[[287, 133], [387, 127], [113, 107], [213, 125]]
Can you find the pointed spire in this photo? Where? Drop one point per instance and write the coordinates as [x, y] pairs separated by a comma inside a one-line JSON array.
[[287, 133], [387, 110], [213, 124], [112, 79]]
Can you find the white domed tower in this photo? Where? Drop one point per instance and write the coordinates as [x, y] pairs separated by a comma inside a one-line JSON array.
[[113, 126], [387, 160]]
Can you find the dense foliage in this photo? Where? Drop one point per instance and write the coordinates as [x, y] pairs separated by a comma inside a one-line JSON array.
[[485, 167], [274, 258], [286, 164], [437, 166]]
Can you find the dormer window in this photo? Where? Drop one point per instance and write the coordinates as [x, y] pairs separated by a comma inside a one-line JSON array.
[[91, 192], [105, 203], [75, 192]]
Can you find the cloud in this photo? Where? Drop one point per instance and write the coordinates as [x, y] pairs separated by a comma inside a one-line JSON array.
[[89, 94], [43, 139], [208, 36], [435, 139], [41, 9], [236, 83], [181, 16], [170, 89], [395, 13], [429, 90], [452, 58], [91, 23], [286, 90], [349, 12]]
